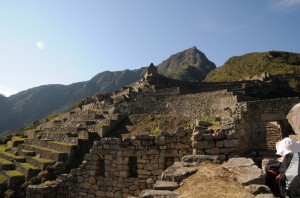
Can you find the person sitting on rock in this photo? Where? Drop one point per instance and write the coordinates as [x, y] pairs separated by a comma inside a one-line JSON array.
[[283, 147]]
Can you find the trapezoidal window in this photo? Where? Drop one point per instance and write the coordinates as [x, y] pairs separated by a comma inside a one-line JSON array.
[[273, 134], [132, 163], [101, 168]]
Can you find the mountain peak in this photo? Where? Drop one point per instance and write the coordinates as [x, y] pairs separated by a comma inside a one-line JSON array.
[[189, 65]]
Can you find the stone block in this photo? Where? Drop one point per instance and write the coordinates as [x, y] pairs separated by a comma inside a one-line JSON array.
[[165, 185], [179, 146], [219, 144], [213, 151], [151, 167], [219, 134], [229, 150], [247, 172], [231, 143], [124, 174], [160, 140], [149, 181], [207, 136], [201, 158], [232, 134], [135, 142], [180, 132], [198, 135], [186, 139], [169, 153], [203, 144], [158, 193], [177, 172]]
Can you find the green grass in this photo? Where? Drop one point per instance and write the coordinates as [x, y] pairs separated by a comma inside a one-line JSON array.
[[64, 143], [43, 160], [5, 162], [11, 155], [26, 151], [46, 149], [9, 145], [18, 139], [14, 173], [28, 166], [252, 64], [2, 179], [2, 148]]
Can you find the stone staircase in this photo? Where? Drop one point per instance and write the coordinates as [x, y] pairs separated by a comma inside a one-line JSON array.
[[65, 140]]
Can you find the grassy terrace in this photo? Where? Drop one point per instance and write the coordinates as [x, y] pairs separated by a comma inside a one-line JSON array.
[[28, 166], [43, 160], [5, 162], [64, 143], [11, 155], [14, 173], [2, 179], [26, 151], [18, 138], [2, 147], [45, 149]]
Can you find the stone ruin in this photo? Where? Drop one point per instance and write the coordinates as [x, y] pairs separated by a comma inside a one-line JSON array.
[[250, 117]]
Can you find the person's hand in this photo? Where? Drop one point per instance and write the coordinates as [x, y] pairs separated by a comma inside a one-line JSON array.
[[280, 159]]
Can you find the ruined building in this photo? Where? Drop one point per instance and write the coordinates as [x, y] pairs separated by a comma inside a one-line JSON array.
[[248, 116]]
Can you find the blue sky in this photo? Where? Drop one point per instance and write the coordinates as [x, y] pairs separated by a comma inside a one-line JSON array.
[[66, 41]]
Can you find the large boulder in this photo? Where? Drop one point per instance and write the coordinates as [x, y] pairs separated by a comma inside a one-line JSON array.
[[177, 172], [247, 173], [293, 118], [158, 193]]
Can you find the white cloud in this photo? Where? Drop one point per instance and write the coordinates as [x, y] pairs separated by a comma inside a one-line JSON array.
[[6, 91], [40, 45], [286, 4]]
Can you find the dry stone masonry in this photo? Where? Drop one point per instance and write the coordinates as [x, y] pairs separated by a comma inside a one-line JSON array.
[[233, 119]]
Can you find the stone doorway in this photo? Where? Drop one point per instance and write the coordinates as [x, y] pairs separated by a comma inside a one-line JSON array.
[[273, 134]]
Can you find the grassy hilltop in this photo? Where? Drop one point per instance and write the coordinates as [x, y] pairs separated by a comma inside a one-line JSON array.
[[251, 64]]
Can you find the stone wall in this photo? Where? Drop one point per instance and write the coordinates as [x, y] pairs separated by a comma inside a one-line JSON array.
[[223, 142], [119, 168], [252, 117], [209, 104], [273, 135]]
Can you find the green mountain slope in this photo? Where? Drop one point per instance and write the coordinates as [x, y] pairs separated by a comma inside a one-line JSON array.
[[252, 64]]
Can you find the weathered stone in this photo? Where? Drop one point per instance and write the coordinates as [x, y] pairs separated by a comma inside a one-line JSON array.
[[256, 189], [293, 118], [149, 181], [203, 123], [201, 158], [237, 162], [151, 167], [232, 134], [212, 151], [198, 135], [158, 193], [203, 144], [177, 172], [219, 135], [165, 185], [92, 180], [208, 137], [231, 143], [180, 132], [160, 140], [124, 174], [228, 150], [247, 172], [219, 144]]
